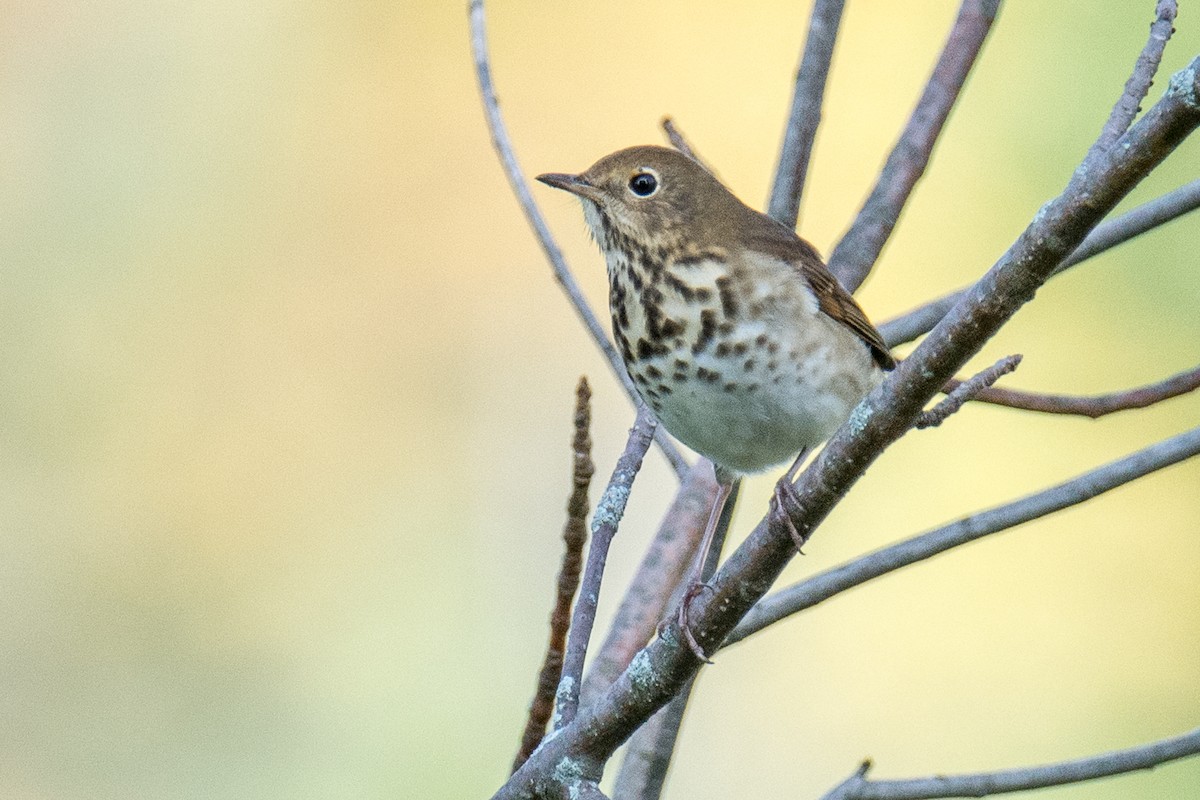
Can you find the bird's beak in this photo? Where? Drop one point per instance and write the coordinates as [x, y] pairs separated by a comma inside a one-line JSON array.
[[575, 184]]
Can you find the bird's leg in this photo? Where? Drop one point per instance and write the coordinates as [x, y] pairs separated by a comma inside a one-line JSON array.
[[697, 585], [783, 497]]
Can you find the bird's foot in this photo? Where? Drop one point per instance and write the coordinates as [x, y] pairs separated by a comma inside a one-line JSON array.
[[783, 498], [694, 591]]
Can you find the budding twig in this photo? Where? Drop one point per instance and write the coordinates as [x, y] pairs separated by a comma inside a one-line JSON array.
[[574, 537], [1144, 69], [963, 391], [854, 256]]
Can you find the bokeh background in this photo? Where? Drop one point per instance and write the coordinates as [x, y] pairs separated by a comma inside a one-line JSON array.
[[286, 385]]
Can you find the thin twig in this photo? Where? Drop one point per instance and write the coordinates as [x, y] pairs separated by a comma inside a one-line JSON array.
[[574, 537], [807, 99], [854, 256], [1140, 80], [1093, 406], [811, 591], [608, 515], [1116, 231], [667, 559], [966, 390], [677, 139], [558, 263], [660, 669], [1116, 762]]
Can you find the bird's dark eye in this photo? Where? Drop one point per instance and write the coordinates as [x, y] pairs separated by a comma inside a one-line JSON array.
[[643, 184]]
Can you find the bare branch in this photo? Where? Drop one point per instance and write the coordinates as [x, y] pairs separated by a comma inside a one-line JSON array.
[[677, 140], [665, 562], [562, 272], [1145, 217], [821, 587], [807, 99], [659, 670], [1144, 69], [966, 390], [574, 537], [648, 757], [1116, 762], [1094, 406], [608, 515], [854, 256], [647, 760]]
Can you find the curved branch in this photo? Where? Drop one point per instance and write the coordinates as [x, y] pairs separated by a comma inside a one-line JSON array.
[[562, 272], [1116, 762], [805, 116], [854, 256], [819, 588], [1145, 217], [1093, 406]]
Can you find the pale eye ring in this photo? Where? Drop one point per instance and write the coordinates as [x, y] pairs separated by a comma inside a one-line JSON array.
[[644, 183]]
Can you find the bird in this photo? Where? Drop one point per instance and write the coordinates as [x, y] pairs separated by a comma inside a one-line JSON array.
[[731, 327]]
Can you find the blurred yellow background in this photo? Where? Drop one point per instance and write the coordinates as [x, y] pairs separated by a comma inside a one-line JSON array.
[[286, 387]]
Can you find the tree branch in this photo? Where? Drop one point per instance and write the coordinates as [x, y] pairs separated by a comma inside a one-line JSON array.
[[558, 263], [666, 561], [963, 391], [574, 537], [658, 671], [807, 99], [608, 515], [1093, 406], [819, 588], [648, 757], [854, 256], [1116, 762], [1145, 217], [1144, 69]]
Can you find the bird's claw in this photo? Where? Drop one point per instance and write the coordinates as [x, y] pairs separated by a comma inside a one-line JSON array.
[[784, 497], [694, 591]]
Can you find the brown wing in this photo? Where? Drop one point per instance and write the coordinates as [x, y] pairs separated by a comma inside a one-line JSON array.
[[832, 298]]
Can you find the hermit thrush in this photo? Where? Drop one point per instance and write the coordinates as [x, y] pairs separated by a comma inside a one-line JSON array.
[[731, 327]]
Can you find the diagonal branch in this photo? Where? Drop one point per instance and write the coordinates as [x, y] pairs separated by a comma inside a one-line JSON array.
[[1116, 762], [854, 256], [1145, 217], [608, 515], [819, 588], [574, 537], [1093, 406], [665, 562], [558, 263], [805, 116], [1144, 69], [659, 671], [970, 389]]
